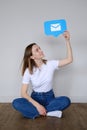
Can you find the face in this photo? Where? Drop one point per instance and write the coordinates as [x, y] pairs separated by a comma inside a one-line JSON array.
[[37, 53]]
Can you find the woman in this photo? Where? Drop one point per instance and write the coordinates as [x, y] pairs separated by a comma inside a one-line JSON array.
[[39, 73]]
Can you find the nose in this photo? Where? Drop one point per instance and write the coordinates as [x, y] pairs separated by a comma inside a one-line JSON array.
[[40, 50]]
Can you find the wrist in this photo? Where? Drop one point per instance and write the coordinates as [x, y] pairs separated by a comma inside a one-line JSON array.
[[67, 40]]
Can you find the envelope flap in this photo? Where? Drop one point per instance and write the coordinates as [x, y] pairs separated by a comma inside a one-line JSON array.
[[55, 25]]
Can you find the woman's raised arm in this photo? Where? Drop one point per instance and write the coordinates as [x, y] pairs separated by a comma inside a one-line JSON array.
[[69, 55]]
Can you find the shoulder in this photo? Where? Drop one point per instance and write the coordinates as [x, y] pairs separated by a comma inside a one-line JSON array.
[[26, 72], [53, 63]]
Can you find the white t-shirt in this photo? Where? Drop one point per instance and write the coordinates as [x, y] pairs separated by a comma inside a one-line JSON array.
[[42, 78]]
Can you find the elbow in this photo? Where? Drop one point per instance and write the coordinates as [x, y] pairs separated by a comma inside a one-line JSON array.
[[71, 60], [23, 91], [23, 94]]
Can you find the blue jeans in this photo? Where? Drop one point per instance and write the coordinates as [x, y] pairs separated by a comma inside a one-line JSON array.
[[48, 100]]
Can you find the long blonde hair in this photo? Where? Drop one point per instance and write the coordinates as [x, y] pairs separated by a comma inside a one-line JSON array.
[[27, 61]]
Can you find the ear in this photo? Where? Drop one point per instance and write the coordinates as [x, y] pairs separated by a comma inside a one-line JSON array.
[[32, 57]]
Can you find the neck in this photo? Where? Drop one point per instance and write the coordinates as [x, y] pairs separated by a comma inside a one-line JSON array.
[[38, 62]]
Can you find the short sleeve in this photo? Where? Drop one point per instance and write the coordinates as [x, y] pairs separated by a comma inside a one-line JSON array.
[[55, 64], [26, 77]]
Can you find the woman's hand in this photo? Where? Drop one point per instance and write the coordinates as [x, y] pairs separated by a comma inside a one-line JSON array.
[[41, 110], [66, 35], [39, 107]]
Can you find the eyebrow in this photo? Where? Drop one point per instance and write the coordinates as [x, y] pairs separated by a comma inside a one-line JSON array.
[[36, 48]]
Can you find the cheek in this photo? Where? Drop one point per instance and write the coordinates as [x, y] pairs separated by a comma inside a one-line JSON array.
[[36, 55]]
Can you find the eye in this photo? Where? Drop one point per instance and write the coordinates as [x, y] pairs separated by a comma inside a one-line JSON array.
[[37, 49]]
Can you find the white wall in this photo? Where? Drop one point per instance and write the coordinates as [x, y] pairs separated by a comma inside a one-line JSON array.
[[21, 23]]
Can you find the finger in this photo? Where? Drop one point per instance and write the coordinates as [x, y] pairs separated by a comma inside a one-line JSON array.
[[44, 112]]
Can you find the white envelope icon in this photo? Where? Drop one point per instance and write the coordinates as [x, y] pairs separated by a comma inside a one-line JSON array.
[[55, 27]]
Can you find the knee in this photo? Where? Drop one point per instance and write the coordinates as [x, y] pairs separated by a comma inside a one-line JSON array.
[[67, 101], [16, 103]]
